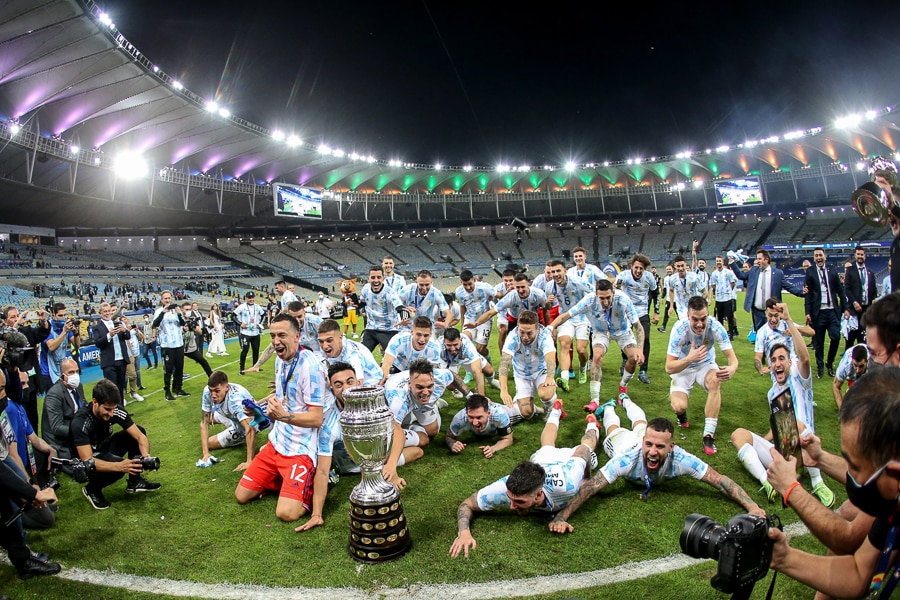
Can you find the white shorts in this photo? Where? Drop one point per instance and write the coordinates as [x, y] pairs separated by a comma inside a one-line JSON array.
[[527, 388], [622, 439], [481, 334], [573, 330], [548, 455], [232, 436], [599, 338], [687, 379], [427, 415]]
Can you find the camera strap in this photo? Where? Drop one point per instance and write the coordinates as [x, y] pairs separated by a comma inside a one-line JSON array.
[[886, 575]]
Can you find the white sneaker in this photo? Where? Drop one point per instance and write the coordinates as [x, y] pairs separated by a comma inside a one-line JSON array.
[[456, 394], [208, 355], [441, 403], [137, 397], [495, 383]]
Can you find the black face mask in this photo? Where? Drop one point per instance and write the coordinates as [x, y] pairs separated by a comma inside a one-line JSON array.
[[868, 498]]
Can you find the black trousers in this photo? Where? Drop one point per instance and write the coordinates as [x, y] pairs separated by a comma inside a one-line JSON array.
[[858, 335], [113, 450], [247, 342], [116, 372], [173, 364], [725, 312], [197, 357], [826, 321], [371, 338]]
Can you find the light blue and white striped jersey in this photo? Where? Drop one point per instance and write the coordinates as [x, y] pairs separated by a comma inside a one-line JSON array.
[[467, 354], [252, 316], [683, 337], [514, 305], [544, 284], [497, 423], [401, 403], [395, 282], [570, 293], [637, 290], [616, 320], [845, 370], [766, 337], [630, 465], [528, 361], [432, 305], [231, 407], [169, 334], [684, 289], [366, 368], [286, 298], [300, 383], [590, 274], [801, 393], [330, 432], [722, 281], [401, 348], [381, 308], [561, 484], [703, 278], [477, 302]]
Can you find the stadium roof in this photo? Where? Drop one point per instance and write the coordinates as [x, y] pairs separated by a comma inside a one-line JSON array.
[[76, 95]]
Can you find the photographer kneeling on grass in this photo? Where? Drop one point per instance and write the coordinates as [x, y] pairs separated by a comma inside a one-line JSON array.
[[101, 451]]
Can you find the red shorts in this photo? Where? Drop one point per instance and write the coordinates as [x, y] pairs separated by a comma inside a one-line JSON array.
[[291, 475], [554, 312]]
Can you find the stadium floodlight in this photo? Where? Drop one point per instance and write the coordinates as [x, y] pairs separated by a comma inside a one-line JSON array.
[[848, 121], [106, 20], [467, 168], [177, 85], [212, 106], [871, 114], [570, 166], [698, 183], [278, 135], [501, 168], [75, 150], [723, 149], [224, 113], [293, 141], [324, 149], [438, 167], [370, 159], [129, 165], [337, 152], [14, 128]]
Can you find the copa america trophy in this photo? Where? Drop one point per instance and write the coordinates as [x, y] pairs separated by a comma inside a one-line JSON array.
[[871, 202], [378, 531]]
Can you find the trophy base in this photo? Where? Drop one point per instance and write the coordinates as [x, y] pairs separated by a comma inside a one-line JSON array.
[[378, 532]]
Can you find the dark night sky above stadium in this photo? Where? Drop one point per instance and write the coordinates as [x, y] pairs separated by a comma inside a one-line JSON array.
[[459, 82]]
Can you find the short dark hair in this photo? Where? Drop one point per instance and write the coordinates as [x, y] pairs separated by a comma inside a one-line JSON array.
[[778, 347], [859, 352], [697, 303], [509, 273], [884, 317], [376, 268], [678, 259], [522, 277], [661, 424], [578, 249], [604, 285], [57, 306], [555, 262], [451, 334], [874, 403], [477, 401], [640, 258], [285, 317], [424, 273], [217, 378], [528, 317], [105, 393], [295, 306], [771, 303], [466, 275], [858, 248], [339, 367], [421, 322], [526, 478], [765, 254], [329, 325], [281, 282], [421, 366]]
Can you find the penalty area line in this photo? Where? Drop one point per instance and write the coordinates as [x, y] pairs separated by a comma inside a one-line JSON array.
[[533, 586]]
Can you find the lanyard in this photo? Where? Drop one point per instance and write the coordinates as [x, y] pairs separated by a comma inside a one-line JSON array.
[[290, 373], [647, 483], [886, 575]]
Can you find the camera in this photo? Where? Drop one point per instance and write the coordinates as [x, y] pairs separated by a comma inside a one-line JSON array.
[[149, 463], [75, 322], [742, 548], [17, 353], [80, 469], [193, 323]]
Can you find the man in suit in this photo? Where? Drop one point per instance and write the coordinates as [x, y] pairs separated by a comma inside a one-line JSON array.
[[861, 291], [63, 398], [761, 282], [825, 301], [109, 337]]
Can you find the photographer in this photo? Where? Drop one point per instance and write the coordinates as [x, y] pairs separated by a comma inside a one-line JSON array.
[[13, 319], [58, 344], [168, 323], [249, 317], [111, 337], [870, 439], [194, 333], [101, 450], [148, 347]]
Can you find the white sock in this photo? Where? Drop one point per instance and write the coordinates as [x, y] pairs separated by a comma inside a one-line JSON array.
[[564, 374], [593, 426], [626, 377], [709, 427], [610, 418], [634, 412], [401, 461], [554, 417], [815, 476], [595, 390], [748, 457]]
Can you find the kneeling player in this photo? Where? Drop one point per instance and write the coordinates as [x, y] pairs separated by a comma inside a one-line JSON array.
[[223, 404], [483, 419]]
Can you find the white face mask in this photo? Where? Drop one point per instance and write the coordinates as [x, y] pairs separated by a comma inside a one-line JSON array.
[[72, 381]]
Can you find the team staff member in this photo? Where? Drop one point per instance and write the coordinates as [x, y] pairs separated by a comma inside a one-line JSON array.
[[169, 324], [249, 318]]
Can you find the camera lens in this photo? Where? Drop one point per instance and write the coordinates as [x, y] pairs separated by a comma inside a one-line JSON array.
[[701, 536]]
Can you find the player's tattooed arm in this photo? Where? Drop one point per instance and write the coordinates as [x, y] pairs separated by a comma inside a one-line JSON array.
[[588, 489], [731, 489], [464, 540], [639, 335], [459, 385], [505, 362]]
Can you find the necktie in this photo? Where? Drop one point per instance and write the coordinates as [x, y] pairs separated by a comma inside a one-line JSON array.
[[77, 399], [826, 295], [864, 279]]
